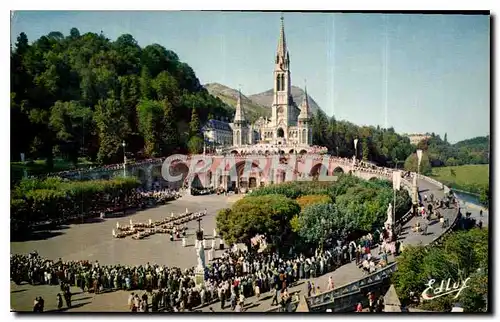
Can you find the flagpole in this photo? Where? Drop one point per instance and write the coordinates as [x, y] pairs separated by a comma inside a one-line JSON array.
[[394, 200], [394, 186]]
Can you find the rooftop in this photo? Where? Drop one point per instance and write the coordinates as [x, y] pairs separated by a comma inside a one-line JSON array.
[[217, 125]]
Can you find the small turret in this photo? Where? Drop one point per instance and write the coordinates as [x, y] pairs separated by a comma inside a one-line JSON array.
[[304, 107], [239, 115]]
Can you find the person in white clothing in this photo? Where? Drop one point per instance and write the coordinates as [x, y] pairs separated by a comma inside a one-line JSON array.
[[213, 243], [183, 241], [330, 283], [204, 243], [215, 233]]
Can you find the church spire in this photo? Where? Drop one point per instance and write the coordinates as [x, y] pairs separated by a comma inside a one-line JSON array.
[[304, 107], [239, 116], [282, 51]]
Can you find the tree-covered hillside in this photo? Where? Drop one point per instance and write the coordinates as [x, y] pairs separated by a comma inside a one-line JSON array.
[[442, 153], [386, 147], [83, 95], [381, 146]]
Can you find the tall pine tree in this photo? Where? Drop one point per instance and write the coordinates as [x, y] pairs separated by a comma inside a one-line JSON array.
[[194, 125], [170, 135]]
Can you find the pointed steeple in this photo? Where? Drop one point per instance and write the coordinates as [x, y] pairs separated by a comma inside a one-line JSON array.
[[239, 116], [304, 106], [282, 50]]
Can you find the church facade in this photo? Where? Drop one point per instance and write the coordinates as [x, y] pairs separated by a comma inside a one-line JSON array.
[[289, 125]]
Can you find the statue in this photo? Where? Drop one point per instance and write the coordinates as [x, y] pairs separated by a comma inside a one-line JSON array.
[[200, 252], [390, 216]]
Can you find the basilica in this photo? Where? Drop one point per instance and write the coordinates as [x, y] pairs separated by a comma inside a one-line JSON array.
[[289, 127]]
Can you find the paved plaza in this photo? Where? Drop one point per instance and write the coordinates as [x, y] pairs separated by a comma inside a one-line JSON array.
[[93, 241]]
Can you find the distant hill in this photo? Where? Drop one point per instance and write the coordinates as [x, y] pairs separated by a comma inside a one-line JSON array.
[[256, 105], [266, 98], [476, 144], [230, 96]]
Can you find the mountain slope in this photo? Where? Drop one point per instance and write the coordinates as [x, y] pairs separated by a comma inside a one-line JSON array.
[[266, 98], [230, 96]]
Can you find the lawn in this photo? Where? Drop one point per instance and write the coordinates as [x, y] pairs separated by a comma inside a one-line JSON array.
[[472, 177], [38, 167]]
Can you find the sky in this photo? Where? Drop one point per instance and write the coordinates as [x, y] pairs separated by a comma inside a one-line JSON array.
[[417, 73]]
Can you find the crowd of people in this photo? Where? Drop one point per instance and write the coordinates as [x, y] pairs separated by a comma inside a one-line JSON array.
[[174, 226], [230, 278]]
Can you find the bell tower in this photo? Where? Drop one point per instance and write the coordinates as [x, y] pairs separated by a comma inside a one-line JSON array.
[[282, 112]]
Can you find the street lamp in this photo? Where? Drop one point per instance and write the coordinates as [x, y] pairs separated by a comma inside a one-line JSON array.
[[124, 160], [204, 139]]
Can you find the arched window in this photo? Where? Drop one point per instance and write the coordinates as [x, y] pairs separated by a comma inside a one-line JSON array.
[[282, 82], [304, 136], [278, 83]]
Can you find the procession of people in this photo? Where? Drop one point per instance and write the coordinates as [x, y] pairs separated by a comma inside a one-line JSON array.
[[173, 225]]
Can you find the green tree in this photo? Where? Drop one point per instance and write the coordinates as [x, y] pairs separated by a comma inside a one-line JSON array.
[[86, 69], [72, 123], [195, 145], [484, 197], [112, 125], [166, 87], [267, 215], [170, 135], [463, 254], [411, 164], [306, 201], [150, 117], [145, 84], [194, 125], [321, 221], [319, 124], [365, 149]]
